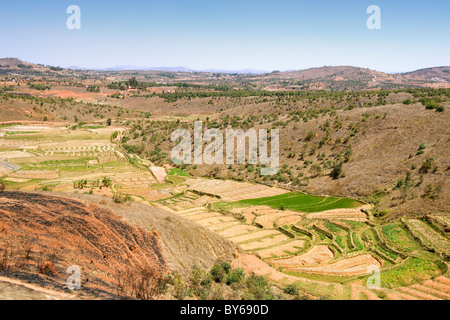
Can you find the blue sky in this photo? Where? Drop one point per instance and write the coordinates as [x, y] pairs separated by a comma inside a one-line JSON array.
[[229, 34]]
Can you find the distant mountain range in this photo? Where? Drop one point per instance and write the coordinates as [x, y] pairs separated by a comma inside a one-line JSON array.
[[171, 69], [327, 77]]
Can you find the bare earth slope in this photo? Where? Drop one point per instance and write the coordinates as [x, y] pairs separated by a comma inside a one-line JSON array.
[[37, 228], [184, 242]]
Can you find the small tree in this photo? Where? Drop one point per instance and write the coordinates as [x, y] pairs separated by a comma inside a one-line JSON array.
[[430, 105], [427, 165], [432, 191], [235, 276], [337, 171], [106, 182], [310, 135], [217, 273], [316, 170], [133, 82], [406, 186], [291, 289]]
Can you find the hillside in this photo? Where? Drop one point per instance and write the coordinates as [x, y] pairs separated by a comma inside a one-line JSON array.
[[435, 74], [377, 142], [340, 78], [39, 230], [352, 78], [184, 243]]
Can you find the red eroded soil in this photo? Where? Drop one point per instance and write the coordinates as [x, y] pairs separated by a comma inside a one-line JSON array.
[[67, 232]]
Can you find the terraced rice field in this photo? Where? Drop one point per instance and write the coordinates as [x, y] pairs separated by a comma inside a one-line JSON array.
[[288, 220], [61, 157], [436, 289], [345, 267], [430, 236], [267, 217], [232, 190], [343, 214], [444, 219], [399, 238], [287, 249], [433, 289], [265, 242], [337, 244], [303, 203], [317, 255], [250, 238]]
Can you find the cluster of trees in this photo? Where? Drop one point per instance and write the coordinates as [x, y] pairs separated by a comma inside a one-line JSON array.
[[222, 279], [93, 88], [39, 86]]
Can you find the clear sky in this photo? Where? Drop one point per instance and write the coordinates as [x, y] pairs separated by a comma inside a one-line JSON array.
[[228, 34]]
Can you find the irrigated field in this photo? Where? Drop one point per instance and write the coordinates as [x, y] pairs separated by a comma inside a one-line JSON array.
[[304, 203]]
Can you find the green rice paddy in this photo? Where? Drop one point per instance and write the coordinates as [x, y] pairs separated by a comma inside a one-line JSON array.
[[301, 202]]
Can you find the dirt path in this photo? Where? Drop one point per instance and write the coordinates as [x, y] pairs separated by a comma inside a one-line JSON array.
[[12, 289]]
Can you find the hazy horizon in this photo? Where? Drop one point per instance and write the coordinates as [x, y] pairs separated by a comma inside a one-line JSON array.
[[216, 70]]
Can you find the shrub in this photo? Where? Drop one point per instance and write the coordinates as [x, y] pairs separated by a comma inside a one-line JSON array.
[[114, 135], [93, 88], [2, 187], [80, 184], [310, 135], [427, 165], [400, 183], [180, 289], [226, 267], [142, 283], [348, 153], [122, 198], [48, 269], [432, 191], [337, 171], [440, 109], [291, 289], [376, 197], [257, 288], [199, 284], [316, 170], [380, 214], [430, 105], [106, 182], [217, 273], [46, 188], [235, 276]]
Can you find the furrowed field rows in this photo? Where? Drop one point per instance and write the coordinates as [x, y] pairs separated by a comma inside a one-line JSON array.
[[286, 249], [428, 235], [231, 190], [344, 267], [248, 237]]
